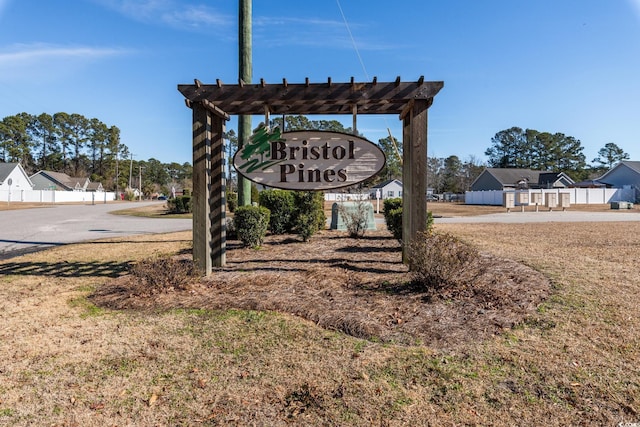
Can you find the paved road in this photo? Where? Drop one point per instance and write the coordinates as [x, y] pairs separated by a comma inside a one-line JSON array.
[[517, 217], [28, 230]]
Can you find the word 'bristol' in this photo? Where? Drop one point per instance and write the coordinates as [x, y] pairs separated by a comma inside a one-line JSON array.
[[281, 152]]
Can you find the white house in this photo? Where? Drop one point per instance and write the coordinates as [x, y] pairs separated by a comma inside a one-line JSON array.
[[14, 178], [388, 189]]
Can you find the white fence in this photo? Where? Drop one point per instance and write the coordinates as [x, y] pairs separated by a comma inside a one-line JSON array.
[[578, 196], [51, 196], [343, 197]]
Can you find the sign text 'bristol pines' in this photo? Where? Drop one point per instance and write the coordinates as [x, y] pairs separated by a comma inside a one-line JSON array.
[[308, 160]]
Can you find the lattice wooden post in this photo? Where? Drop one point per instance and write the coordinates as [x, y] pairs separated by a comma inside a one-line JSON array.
[[209, 186], [414, 173]]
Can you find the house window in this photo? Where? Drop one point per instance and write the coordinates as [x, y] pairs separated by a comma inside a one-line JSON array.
[[400, 193], [390, 193]]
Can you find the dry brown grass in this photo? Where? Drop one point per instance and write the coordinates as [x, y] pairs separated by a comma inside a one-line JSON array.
[[68, 362]]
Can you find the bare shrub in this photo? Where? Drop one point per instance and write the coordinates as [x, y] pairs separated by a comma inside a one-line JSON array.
[[157, 275], [355, 220], [438, 261]]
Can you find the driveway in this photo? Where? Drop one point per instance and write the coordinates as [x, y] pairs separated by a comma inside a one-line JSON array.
[[29, 230]]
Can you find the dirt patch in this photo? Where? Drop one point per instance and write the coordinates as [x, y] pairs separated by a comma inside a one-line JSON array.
[[357, 286]]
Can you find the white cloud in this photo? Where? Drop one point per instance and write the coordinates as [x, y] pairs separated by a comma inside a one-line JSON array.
[[30, 54], [312, 32], [45, 62], [169, 12]]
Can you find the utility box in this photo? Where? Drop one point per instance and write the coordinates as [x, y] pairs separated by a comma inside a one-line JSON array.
[[536, 198], [565, 200], [621, 205], [551, 200], [523, 198], [344, 212], [508, 199]]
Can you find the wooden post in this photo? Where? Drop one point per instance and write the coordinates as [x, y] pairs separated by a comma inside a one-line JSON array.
[[218, 202], [209, 186], [245, 74], [201, 188], [414, 173]]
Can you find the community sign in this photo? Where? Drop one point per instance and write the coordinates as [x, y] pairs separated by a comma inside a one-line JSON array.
[[308, 160]]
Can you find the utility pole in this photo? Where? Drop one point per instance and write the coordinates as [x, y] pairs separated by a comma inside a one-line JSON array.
[[140, 182], [117, 175], [245, 74], [130, 170]]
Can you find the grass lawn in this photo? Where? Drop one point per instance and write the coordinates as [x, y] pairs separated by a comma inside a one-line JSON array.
[[67, 361]]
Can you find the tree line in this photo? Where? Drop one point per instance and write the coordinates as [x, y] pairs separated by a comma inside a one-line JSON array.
[[81, 146], [553, 152]]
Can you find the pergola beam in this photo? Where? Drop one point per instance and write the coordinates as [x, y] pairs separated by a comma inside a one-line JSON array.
[[213, 104]]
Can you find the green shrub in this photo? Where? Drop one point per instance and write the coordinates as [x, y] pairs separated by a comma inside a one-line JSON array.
[[393, 217], [251, 224], [438, 261], [391, 204], [129, 196], [281, 205], [232, 201], [179, 205], [309, 214]]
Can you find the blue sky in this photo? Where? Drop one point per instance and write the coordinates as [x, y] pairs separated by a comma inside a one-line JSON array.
[[570, 66]]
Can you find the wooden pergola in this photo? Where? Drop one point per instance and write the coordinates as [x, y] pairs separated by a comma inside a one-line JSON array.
[[212, 105]]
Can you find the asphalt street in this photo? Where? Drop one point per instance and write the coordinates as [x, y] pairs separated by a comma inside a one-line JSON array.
[[28, 230]]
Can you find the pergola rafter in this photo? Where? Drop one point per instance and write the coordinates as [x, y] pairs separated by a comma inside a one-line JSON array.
[[213, 104]]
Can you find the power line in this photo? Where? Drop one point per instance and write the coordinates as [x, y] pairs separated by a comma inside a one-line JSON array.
[[366, 75], [353, 41]]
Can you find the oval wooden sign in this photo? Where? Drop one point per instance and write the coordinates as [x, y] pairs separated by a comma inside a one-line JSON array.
[[308, 160]]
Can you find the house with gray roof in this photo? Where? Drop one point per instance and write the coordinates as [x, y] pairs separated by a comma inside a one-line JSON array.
[[48, 180], [13, 177], [625, 174], [518, 179]]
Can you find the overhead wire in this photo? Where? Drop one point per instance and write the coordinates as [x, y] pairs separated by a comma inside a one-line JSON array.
[[366, 75]]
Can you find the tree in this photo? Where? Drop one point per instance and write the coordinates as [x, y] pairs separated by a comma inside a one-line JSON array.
[[452, 175], [393, 152], [303, 123], [609, 155], [506, 150], [434, 174], [156, 172], [16, 141], [42, 128], [518, 148], [472, 169]]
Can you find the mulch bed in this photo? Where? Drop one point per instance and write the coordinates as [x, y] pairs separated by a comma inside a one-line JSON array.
[[357, 286]]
